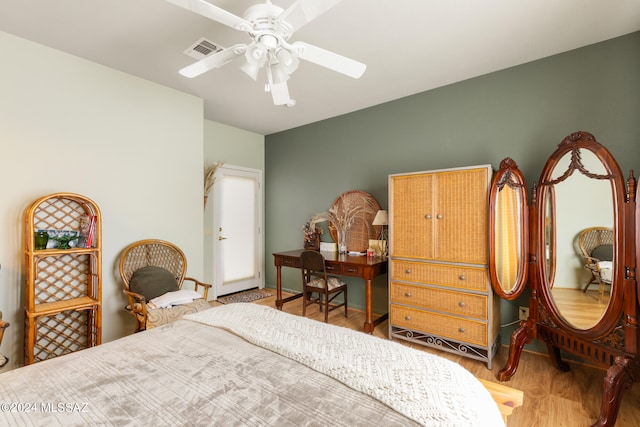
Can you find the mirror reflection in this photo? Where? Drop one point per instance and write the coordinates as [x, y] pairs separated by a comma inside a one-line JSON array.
[[508, 235], [550, 235], [583, 234]]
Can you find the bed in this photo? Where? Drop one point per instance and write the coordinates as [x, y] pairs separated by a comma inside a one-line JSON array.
[[246, 365]]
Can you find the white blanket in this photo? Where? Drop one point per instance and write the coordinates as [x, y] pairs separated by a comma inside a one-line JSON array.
[[181, 297], [429, 389]]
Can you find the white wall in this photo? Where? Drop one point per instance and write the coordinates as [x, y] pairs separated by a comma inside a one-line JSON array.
[[234, 147], [134, 147]]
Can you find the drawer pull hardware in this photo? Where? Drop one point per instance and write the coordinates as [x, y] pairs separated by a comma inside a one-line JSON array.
[[462, 277], [408, 271], [328, 267], [439, 216], [407, 317], [428, 216], [462, 304], [351, 270], [461, 330], [407, 294]]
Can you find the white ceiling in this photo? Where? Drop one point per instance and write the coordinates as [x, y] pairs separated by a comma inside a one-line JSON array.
[[409, 46]]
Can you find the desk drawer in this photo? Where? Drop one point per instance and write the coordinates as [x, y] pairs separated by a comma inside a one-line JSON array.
[[465, 330], [293, 262], [344, 269], [439, 274], [461, 303]]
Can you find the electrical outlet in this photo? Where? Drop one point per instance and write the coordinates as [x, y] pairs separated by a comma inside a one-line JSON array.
[[523, 313]]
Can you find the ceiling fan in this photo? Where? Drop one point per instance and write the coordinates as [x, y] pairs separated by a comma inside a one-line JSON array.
[[269, 28]]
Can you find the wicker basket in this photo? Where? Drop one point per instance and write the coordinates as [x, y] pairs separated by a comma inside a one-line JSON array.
[[362, 230]]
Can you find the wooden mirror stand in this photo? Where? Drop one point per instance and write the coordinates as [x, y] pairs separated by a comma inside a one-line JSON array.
[[610, 340]]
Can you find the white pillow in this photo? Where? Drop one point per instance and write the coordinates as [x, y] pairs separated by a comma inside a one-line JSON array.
[[183, 296]]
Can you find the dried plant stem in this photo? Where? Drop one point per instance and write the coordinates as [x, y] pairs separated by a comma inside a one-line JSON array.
[[343, 214], [209, 178]]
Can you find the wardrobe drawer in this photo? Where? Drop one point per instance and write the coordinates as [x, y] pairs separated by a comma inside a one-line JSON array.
[[438, 274], [465, 330], [440, 299]]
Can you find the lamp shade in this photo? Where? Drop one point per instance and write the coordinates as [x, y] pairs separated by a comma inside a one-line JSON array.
[[381, 218]]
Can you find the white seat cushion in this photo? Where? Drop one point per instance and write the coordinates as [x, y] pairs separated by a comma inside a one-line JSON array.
[[606, 268]]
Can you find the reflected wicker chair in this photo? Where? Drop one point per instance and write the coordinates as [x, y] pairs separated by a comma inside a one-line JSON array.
[[596, 245], [315, 280], [141, 255]]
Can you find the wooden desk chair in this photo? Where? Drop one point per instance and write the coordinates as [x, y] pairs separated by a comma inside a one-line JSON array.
[[596, 245], [315, 280], [152, 268]]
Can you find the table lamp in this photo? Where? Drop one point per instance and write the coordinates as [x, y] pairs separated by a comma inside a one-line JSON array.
[[382, 219]]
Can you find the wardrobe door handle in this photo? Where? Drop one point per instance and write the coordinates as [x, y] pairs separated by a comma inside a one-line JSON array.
[[428, 216], [439, 216]]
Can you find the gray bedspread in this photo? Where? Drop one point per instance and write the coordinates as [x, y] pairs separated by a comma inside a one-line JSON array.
[[183, 374]]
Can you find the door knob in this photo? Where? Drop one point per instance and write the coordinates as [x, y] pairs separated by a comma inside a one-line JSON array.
[[222, 238]]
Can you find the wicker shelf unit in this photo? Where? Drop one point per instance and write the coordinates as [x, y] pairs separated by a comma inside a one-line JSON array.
[[439, 289], [63, 298]]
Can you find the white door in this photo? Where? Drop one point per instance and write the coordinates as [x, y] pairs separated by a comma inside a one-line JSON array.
[[237, 224]]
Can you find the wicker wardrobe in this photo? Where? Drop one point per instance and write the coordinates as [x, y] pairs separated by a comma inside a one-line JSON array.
[[439, 290]]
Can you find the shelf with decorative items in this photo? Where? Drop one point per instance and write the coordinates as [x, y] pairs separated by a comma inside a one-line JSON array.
[[63, 269]]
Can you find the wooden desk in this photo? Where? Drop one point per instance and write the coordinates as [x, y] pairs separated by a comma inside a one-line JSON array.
[[340, 265]]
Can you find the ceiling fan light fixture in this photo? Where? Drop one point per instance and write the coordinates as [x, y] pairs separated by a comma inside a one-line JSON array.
[[251, 70], [256, 57], [269, 27], [256, 54], [285, 64], [288, 60]]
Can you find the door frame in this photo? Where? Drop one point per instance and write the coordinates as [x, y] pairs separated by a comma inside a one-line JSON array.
[[212, 236]]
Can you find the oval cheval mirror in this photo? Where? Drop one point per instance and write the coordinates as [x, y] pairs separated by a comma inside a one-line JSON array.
[[508, 231], [582, 255], [577, 221]]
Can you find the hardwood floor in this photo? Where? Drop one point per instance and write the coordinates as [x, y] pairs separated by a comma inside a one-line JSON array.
[[551, 398]]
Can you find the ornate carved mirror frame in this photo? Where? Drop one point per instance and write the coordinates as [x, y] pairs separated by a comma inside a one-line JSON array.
[[612, 340]]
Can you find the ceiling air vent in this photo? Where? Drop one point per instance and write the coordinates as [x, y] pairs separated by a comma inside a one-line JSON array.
[[203, 48]]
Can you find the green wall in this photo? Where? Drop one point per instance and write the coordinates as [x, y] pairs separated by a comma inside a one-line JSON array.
[[522, 112]]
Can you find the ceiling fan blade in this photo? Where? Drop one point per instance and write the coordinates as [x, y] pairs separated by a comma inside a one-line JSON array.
[[210, 11], [302, 12], [280, 94], [216, 60], [329, 60]]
